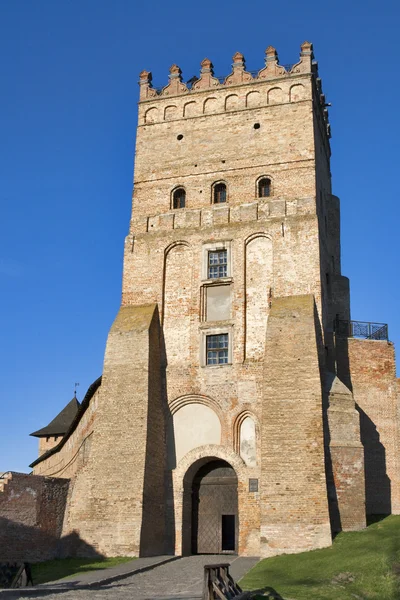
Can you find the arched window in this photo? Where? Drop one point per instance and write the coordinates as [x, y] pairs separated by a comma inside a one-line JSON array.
[[179, 198], [264, 187], [219, 193]]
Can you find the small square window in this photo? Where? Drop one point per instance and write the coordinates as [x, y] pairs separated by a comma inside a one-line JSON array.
[[217, 264], [217, 349]]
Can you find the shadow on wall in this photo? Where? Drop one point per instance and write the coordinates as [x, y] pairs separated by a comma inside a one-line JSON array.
[[333, 505], [169, 488], [19, 542], [158, 523], [377, 482], [170, 456]]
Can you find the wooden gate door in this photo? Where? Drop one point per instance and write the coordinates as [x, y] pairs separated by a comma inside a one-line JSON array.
[[215, 509]]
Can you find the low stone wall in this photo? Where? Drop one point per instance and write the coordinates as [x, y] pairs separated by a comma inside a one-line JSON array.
[[31, 517]]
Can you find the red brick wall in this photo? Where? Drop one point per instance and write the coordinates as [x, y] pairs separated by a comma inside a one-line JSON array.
[[31, 517], [373, 378]]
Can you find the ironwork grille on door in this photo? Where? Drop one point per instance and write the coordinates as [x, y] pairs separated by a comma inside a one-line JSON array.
[[214, 509]]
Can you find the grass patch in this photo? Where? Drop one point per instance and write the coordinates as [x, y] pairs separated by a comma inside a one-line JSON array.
[[362, 565], [51, 570]]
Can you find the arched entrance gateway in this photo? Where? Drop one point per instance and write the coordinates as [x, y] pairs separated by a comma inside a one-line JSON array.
[[214, 509]]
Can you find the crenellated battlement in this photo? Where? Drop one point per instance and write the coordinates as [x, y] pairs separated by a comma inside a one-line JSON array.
[[238, 76], [273, 84]]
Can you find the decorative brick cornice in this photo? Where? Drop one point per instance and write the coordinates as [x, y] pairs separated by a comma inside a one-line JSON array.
[[239, 75], [207, 79], [146, 88], [175, 86]]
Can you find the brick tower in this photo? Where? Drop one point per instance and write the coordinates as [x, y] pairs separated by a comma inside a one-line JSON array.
[[225, 418]]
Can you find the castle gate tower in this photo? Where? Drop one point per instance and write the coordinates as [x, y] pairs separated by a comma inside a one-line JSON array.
[[224, 258], [225, 419]]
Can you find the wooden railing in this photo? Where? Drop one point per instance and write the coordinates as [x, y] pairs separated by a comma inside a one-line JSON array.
[[15, 575], [219, 585]]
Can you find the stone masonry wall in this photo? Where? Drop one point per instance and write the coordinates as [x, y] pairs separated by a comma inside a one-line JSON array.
[[373, 377], [294, 504], [117, 499], [346, 454], [74, 454], [31, 517]]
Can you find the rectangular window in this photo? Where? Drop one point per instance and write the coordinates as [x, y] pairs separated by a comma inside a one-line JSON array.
[[217, 349], [217, 264]]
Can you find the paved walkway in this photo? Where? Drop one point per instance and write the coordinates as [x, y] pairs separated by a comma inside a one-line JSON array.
[[111, 574], [177, 579]]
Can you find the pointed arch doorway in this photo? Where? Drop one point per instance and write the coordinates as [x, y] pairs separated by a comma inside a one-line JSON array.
[[214, 515]]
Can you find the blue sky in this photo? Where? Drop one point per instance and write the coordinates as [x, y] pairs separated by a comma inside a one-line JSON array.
[[69, 72]]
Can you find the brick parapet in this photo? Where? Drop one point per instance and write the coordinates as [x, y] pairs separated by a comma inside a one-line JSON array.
[[239, 75]]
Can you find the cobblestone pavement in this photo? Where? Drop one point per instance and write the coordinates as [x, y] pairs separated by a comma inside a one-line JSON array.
[[180, 579]]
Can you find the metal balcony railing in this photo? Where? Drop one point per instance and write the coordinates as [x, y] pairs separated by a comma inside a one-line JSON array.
[[361, 329]]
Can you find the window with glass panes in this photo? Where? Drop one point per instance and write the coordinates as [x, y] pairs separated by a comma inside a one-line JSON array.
[[264, 188], [219, 193], [179, 198], [217, 264], [217, 349]]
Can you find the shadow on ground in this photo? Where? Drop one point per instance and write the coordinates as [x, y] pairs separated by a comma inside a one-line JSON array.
[[266, 593]]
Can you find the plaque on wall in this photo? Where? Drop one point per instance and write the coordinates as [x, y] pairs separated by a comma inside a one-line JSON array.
[[253, 485]]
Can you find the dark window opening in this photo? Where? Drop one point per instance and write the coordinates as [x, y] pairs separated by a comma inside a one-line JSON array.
[[264, 188], [179, 198], [256, 125], [217, 349], [228, 533], [217, 264], [219, 193], [179, 137]]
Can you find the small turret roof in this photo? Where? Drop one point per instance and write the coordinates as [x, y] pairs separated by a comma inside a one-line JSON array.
[[60, 424]]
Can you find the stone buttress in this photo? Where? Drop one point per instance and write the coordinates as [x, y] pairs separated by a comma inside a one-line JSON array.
[[117, 503]]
